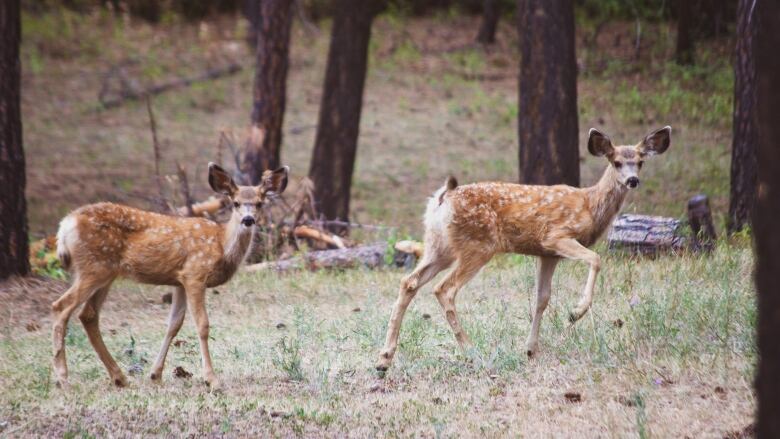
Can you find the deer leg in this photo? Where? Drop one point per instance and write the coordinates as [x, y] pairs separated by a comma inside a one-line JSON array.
[[425, 271], [196, 301], [545, 270], [571, 249], [62, 308], [175, 320], [90, 318], [447, 290]]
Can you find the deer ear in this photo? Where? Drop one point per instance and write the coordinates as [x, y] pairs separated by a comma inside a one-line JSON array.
[[657, 142], [275, 181], [220, 181], [599, 144]]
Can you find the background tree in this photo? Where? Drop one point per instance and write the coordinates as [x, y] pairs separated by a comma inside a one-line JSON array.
[[743, 150], [490, 15], [263, 147], [698, 19], [767, 235], [335, 145], [547, 116], [14, 257]]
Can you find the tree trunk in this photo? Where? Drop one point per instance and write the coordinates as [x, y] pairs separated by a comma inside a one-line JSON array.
[[547, 120], [490, 15], [335, 146], [683, 53], [743, 149], [273, 45], [252, 14], [766, 17], [14, 247]]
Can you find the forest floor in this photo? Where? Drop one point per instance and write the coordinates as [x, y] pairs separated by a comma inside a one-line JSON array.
[[667, 350]]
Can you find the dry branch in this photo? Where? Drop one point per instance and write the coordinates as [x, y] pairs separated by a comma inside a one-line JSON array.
[[131, 90], [319, 235]]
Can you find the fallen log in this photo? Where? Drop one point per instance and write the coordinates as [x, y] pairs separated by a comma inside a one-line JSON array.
[[370, 256], [646, 234], [210, 206], [318, 235], [132, 91]]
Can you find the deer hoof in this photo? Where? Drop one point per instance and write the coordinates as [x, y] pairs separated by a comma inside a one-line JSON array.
[[155, 376], [120, 381], [385, 359]]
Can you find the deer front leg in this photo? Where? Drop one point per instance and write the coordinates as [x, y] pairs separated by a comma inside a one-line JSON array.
[[175, 320], [544, 274], [196, 301], [571, 249]]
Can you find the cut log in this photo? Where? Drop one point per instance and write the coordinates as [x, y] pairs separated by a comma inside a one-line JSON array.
[[646, 235], [370, 256]]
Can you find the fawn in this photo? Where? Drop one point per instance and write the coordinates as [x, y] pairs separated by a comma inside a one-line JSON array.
[[467, 225], [100, 242]]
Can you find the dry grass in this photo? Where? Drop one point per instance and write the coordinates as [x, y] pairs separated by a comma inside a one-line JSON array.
[[666, 351]]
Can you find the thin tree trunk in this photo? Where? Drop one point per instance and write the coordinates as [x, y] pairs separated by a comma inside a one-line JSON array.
[[547, 120], [335, 146], [685, 19], [743, 150], [263, 147], [766, 16], [490, 16], [14, 249]]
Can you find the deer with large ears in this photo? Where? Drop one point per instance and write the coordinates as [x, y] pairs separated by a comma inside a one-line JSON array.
[[466, 225], [100, 242]]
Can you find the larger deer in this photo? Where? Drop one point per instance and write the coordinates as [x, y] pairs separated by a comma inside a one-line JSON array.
[[103, 241], [466, 226]]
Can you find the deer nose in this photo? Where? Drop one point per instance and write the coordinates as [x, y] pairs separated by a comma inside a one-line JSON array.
[[632, 182], [248, 221]]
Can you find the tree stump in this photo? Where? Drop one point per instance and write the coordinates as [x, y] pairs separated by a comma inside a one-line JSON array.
[[700, 219]]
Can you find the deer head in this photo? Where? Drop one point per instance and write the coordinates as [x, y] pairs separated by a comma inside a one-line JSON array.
[[247, 201], [627, 160]]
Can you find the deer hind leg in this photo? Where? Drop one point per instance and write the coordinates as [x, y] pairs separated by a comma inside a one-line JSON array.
[[196, 301], [544, 274], [465, 269], [431, 265], [571, 249], [175, 320], [81, 290], [90, 318]]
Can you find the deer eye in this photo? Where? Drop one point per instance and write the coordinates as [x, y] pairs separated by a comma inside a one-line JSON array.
[[236, 204], [259, 204], [640, 164], [618, 165]]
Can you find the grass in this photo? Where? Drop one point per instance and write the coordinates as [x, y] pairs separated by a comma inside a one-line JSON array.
[[666, 350]]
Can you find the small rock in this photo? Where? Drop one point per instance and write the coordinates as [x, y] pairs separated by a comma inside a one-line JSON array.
[[180, 372], [280, 325], [167, 298], [3, 425], [32, 327], [135, 369], [426, 316], [573, 396], [215, 292], [437, 401], [279, 414], [356, 309], [618, 323]]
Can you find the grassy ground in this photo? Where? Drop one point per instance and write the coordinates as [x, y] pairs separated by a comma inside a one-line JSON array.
[[667, 350]]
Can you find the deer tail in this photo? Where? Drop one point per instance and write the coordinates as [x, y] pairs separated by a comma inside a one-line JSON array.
[[66, 235]]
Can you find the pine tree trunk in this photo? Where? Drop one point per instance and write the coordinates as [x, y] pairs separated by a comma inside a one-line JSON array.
[[743, 150], [547, 116], [335, 145], [685, 18], [14, 250], [766, 17], [263, 147], [490, 15]]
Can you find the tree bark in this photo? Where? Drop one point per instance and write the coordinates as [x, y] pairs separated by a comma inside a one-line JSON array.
[[263, 146], [547, 116], [14, 246], [743, 149], [490, 16], [766, 16], [335, 145]]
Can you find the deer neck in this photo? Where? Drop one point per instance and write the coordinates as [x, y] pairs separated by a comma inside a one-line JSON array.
[[606, 198], [236, 242]]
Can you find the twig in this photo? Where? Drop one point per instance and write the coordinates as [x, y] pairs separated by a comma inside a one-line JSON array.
[[185, 188], [156, 146]]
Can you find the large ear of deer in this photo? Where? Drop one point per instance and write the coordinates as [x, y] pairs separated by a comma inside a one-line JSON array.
[[657, 142], [220, 181], [599, 144], [275, 181]]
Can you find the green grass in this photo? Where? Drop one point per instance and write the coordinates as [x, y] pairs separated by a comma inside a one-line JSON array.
[[661, 333]]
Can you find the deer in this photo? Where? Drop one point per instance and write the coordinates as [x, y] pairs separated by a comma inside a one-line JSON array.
[[465, 226], [101, 242]]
